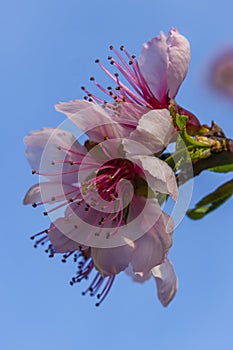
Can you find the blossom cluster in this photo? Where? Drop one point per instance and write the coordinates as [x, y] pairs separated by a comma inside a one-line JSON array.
[[104, 196]]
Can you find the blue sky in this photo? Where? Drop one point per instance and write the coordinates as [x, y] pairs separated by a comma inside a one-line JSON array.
[[47, 51]]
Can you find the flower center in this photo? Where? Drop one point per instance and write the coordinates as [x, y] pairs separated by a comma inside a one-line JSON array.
[[110, 174]]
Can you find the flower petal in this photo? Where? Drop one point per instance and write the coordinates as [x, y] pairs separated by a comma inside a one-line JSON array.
[[164, 63], [152, 248], [91, 119], [52, 152], [154, 131], [158, 174], [179, 58], [49, 192], [166, 282], [137, 277], [109, 261], [61, 243]]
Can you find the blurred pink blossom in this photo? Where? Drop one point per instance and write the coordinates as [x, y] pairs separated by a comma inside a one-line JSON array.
[[221, 73]]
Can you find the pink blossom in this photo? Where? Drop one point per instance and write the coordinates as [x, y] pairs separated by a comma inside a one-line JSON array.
[[105, 223], [154, 80], [103, 197]]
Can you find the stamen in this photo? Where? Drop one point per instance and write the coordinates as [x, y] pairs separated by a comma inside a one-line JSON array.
[[106, 290]]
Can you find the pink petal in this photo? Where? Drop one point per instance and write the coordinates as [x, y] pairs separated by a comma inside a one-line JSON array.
[[44, 153], [158, 174], [164, 63], [110, 261], [61, 243], [154, 131], [49, 192], [152, 248], [77, 224], [137, 277], [166, 282], [179, 58], [91, 119], [82, 226]]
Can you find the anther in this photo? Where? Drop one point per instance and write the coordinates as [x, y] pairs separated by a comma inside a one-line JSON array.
[[92, 78], [34, 205], [33, 172], [59, 148], [109, 57], [45, 213], [83, 87], [122, 48], [52, 163], [97, 60], [111, 47]]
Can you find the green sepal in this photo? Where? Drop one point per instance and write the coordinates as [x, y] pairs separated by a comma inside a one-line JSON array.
[[181, 121]]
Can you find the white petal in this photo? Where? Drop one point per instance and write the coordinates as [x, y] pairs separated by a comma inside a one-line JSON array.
[[91, 119], [111, 260], [49, 192], [44, 153], [61, 243], [140, 278], [154, 131], [158, 174], [166, 282], [152, 248]]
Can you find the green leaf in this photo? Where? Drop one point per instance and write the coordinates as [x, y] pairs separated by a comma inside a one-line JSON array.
[[222, 168], [212, 201]]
